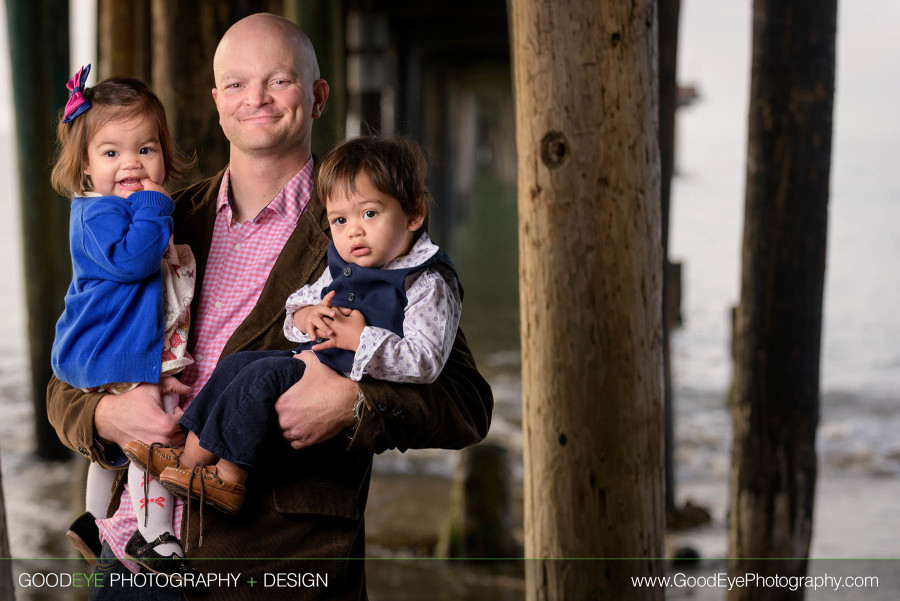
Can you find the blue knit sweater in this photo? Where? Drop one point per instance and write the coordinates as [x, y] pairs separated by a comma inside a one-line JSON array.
[[112, 327]]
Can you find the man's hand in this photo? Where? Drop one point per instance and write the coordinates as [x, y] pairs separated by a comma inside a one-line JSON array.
[[138, 415], [318, 406], [346, 328]]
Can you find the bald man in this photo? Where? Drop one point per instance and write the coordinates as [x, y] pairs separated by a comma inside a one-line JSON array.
[[258, 234]]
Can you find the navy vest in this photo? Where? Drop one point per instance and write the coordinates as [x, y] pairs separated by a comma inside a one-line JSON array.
[[379, 294]]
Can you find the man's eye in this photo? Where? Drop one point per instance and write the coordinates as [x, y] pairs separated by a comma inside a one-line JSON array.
[[369, 214], [233, 86], [111, 154]]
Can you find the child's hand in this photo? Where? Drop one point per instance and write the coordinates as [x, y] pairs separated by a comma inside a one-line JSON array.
[[152, 186], [311, 319], [346, 327]]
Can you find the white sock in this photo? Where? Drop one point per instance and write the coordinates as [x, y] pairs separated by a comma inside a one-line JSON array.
[[98, 490], [160, 504]]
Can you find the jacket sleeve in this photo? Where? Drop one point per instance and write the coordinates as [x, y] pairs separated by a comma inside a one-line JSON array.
[[71, 413], [451, 413]]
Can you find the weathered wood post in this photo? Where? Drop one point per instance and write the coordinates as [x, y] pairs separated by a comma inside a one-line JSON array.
[[39, 49], [479, 521], [324, 21], [779, 319], [123, 32], [668, 62], [591, 295], [7, 588], [183, 80]]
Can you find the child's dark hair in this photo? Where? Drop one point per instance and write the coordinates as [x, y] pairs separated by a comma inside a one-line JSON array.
[[114, 99], [395, 165]]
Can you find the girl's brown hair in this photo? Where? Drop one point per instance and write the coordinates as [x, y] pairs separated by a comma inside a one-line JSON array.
[[115, 99], [395, 165]]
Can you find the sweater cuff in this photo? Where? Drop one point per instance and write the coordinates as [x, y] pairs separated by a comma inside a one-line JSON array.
[[152, 199]]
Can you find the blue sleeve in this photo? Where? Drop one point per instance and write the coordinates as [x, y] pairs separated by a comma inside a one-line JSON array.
[[127, 242]]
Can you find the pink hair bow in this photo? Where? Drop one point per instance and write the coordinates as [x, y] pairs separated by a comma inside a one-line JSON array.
[[77, 103]]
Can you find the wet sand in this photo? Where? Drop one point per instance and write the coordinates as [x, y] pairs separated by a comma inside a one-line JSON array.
[[855, 534]]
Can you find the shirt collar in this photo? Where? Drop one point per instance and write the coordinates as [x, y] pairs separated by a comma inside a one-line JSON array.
[[289, 203], [420, 252]]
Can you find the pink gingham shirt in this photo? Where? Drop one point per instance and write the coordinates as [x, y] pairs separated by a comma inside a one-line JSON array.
[[241, 255]]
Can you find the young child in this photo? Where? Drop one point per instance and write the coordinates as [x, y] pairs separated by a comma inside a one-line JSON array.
[[127, 308], [388, 305]]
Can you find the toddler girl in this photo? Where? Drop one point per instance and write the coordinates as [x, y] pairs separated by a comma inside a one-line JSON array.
[[127, 307], [388, 306]]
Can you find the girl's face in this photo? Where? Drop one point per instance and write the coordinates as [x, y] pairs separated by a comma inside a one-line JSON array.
[[122, 153], [369, 227]]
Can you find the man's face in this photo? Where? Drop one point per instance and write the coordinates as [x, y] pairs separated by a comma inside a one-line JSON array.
[[264, 94]]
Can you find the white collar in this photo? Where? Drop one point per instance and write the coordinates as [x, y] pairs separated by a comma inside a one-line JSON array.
[[421, 251]]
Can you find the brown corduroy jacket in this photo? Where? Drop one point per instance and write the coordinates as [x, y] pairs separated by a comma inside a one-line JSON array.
[[310, 506]]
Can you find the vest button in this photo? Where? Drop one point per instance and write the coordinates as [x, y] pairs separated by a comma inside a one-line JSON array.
[[351, 296], [347, 271]]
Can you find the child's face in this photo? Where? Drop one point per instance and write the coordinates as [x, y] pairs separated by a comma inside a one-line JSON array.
[[123, 152], [369, 227]]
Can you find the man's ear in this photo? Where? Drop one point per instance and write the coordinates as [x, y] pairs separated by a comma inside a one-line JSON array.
[[215, 94], [320, 96]]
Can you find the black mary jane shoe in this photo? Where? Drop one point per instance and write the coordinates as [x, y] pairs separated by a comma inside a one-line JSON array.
[[144, 554], [84, 536]]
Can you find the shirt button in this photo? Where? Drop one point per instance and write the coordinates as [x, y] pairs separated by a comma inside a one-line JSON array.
[[382, 407], [237, 246], [351, 296], [218, 304], [396, 411], [347, 271], [199, 357]]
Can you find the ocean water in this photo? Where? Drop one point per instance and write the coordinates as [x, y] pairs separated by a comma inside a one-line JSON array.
[[860, 379]]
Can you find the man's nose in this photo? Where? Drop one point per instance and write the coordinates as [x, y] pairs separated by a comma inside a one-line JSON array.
[[257, 94]]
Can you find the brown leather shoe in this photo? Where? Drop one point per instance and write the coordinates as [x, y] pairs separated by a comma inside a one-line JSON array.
[[204, 485], [152, 457]]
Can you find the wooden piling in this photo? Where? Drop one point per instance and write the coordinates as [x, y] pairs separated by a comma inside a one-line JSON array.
[[124, 39], [39, 52], [479, 523], [184, 80], [590, 280], [324, 21], [668, 46], [7, 590]]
